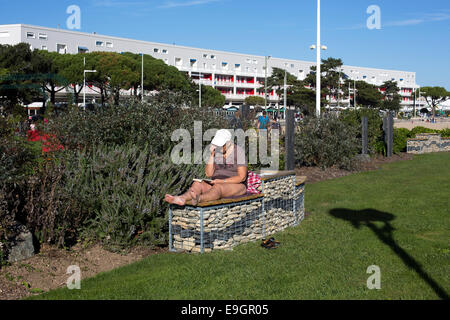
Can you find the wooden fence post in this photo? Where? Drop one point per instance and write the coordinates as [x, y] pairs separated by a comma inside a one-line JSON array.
[[289, 140]]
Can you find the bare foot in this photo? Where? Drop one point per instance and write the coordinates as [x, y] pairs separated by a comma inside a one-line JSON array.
[[174, 200], [179, 201], [169, 198]]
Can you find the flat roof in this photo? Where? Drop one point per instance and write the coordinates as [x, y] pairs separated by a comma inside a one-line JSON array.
[[183, 47]]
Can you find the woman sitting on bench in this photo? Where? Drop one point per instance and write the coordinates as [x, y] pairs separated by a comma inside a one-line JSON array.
[[227, 166]]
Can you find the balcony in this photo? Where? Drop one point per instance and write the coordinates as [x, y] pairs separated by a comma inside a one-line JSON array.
[[241, 97], [205, 82], [223, 83], [246, 85], [406, 94]]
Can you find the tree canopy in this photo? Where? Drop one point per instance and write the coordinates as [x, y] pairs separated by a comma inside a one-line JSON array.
[[254, 101], [434, 96], [26, 76]]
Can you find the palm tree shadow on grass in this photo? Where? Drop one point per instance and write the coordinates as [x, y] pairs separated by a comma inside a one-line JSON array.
[[368, 217]]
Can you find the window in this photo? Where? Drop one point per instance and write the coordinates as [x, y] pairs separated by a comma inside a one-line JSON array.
[[61, 48], [30, 35], [237, 66], [99, 43], [178, 61], [248, 60], [44, 48], [4, 34], [109, 44], [364, 77], [83, 50], [214, 66], [205, 55], [166, 61], [213, 56], [43, 36], [164, 51], [156, 50], [225, 65], [255, 61]]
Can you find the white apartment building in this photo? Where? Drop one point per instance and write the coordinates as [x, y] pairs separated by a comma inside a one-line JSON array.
[[236, 75]]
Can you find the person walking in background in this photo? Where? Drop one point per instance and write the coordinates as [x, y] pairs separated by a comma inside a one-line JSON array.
[[264, 121], [236, 122]]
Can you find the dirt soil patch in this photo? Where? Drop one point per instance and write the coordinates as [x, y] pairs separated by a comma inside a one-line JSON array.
[[47, 270], [315, 174]]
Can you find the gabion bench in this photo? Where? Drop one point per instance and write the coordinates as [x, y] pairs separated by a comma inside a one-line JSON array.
[[427, 142], [225, 223]]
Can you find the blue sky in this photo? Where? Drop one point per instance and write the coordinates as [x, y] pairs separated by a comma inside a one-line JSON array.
[[414, 35]]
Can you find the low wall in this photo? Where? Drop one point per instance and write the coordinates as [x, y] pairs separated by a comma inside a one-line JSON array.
[[428, 142], [226, 223]]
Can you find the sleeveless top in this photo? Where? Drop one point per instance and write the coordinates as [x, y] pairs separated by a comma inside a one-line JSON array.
[[227, 168]]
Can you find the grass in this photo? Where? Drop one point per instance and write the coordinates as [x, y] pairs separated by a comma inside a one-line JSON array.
[[396, 218]]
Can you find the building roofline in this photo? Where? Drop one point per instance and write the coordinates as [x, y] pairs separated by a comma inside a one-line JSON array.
[[185, 47]]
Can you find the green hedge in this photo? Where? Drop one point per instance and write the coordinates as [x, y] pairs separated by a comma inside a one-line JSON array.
[[401, 135], [109, 183], [353, 118], [326, 142]]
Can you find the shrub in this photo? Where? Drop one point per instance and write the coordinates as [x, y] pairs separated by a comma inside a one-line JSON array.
[[109, 182], [353, 119], [401, 136], [416, 130], [445, 133], [133, 122], [18, 161], [112, 194], [326, 142], [129, 184]]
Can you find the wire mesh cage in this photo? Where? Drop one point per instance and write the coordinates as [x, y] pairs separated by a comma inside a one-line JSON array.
[[279, 203], [225, 225]]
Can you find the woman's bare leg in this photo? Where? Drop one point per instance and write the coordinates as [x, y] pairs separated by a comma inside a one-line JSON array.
[[225, 190], [196, 189]]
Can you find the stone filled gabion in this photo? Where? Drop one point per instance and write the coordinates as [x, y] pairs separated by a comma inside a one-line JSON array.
[[228, 225], [428, 142]]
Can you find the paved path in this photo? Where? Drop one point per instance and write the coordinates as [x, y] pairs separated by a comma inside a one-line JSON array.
[[409, 124]]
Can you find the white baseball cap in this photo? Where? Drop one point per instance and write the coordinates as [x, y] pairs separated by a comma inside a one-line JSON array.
[[222, 136]]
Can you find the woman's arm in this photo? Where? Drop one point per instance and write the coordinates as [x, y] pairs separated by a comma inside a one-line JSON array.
[[240, 178], [209, 169]]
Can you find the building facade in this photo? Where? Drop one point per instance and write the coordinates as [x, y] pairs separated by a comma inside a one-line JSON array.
[[236, 75]]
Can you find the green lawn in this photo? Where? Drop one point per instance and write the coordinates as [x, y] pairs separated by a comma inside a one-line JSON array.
[[399, 221]]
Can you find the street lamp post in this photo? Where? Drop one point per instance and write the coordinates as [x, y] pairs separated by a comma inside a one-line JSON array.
[[285, 89], [142, 78], [318, 71], [318, 47], [339, 88], [84, 83], [265, 82], [199, 89]]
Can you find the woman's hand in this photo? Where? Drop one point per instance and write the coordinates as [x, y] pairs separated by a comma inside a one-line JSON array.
[[212, 148]]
